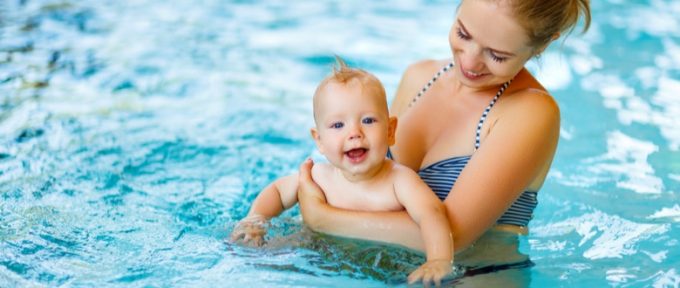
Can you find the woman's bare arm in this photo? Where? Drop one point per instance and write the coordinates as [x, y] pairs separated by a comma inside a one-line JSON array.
[[391, 227], [521, 143]]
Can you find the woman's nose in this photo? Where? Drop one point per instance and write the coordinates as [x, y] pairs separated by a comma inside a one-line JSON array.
[[471, 58]]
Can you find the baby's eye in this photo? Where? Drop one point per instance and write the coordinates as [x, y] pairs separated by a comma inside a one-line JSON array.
[[337, 125], [369, 120]]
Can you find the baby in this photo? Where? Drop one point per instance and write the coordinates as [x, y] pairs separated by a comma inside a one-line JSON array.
[[353, 131]]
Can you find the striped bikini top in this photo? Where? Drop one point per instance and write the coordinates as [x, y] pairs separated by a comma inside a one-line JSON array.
[[442, 175]]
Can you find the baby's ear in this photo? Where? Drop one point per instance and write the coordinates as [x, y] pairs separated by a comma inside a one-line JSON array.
[[392, 130], [317, 139]]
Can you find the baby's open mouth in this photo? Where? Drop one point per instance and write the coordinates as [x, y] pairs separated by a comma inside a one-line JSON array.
[[356, 153]]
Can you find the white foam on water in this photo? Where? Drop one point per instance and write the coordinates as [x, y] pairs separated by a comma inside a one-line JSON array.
[[668, 120], [603, 235], [626, 163], [675, 177], [661, 110], [620, 275], [673, 213], [656, 257], [669, 278], [658, 19]]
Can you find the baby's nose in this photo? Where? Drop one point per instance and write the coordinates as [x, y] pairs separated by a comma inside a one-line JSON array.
[[355, 136], [355, 133]]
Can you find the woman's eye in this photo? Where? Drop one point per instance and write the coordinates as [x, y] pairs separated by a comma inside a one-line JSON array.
[[337, 125], [368, 120], [462, 35], [497, 58]]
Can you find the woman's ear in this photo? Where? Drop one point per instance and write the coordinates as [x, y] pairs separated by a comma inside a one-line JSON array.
[[392, 131], [317, 139]]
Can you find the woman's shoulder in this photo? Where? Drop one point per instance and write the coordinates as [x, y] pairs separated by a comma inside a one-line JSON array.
[[532, 111], [529, 94], [414, 78], [426, 67]]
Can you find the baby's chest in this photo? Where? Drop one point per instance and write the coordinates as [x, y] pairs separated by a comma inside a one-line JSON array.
[[355, 199]]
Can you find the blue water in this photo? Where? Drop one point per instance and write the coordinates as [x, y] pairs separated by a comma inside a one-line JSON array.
[[133, 134]]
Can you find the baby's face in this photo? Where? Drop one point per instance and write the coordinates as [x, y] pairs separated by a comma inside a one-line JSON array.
[[353, 128]]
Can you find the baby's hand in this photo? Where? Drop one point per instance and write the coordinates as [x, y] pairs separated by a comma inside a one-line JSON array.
[[250, 231], [431, 272]]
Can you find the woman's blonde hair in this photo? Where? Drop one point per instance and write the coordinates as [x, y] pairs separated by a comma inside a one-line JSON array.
[[545, 20]]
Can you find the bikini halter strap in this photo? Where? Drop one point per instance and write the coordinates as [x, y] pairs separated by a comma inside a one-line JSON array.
[[486, 111]]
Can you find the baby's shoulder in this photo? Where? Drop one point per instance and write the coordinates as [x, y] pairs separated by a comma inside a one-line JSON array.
[[321, 172], [402, 173]]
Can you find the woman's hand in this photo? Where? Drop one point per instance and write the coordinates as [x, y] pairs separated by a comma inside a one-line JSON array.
[[431, 272], [310, 196]]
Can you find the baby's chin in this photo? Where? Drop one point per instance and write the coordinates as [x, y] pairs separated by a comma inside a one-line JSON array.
[[364, 169]]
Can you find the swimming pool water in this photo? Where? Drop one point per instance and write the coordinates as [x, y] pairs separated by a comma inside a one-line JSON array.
[[133, 134]]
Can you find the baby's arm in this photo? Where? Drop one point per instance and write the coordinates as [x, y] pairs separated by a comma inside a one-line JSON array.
[[430, 214], [274, 199]]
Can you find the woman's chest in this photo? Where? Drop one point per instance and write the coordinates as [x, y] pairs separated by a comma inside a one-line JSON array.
[[432, 130]]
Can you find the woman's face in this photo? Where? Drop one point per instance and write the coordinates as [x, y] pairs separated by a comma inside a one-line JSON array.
[[489, 46]]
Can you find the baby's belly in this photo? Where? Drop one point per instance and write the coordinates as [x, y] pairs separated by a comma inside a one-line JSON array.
[[370, 205]]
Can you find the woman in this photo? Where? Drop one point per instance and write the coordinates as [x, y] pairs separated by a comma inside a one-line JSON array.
[[484, 123]]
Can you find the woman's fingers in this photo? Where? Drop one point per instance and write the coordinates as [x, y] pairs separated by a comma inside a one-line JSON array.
[[305, 175], [307, 188], [310, 196]]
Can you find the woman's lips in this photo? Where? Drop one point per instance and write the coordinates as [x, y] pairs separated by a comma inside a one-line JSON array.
[[471, 75]]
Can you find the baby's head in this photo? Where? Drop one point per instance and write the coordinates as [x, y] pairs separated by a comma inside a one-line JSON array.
[[353, 127]]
